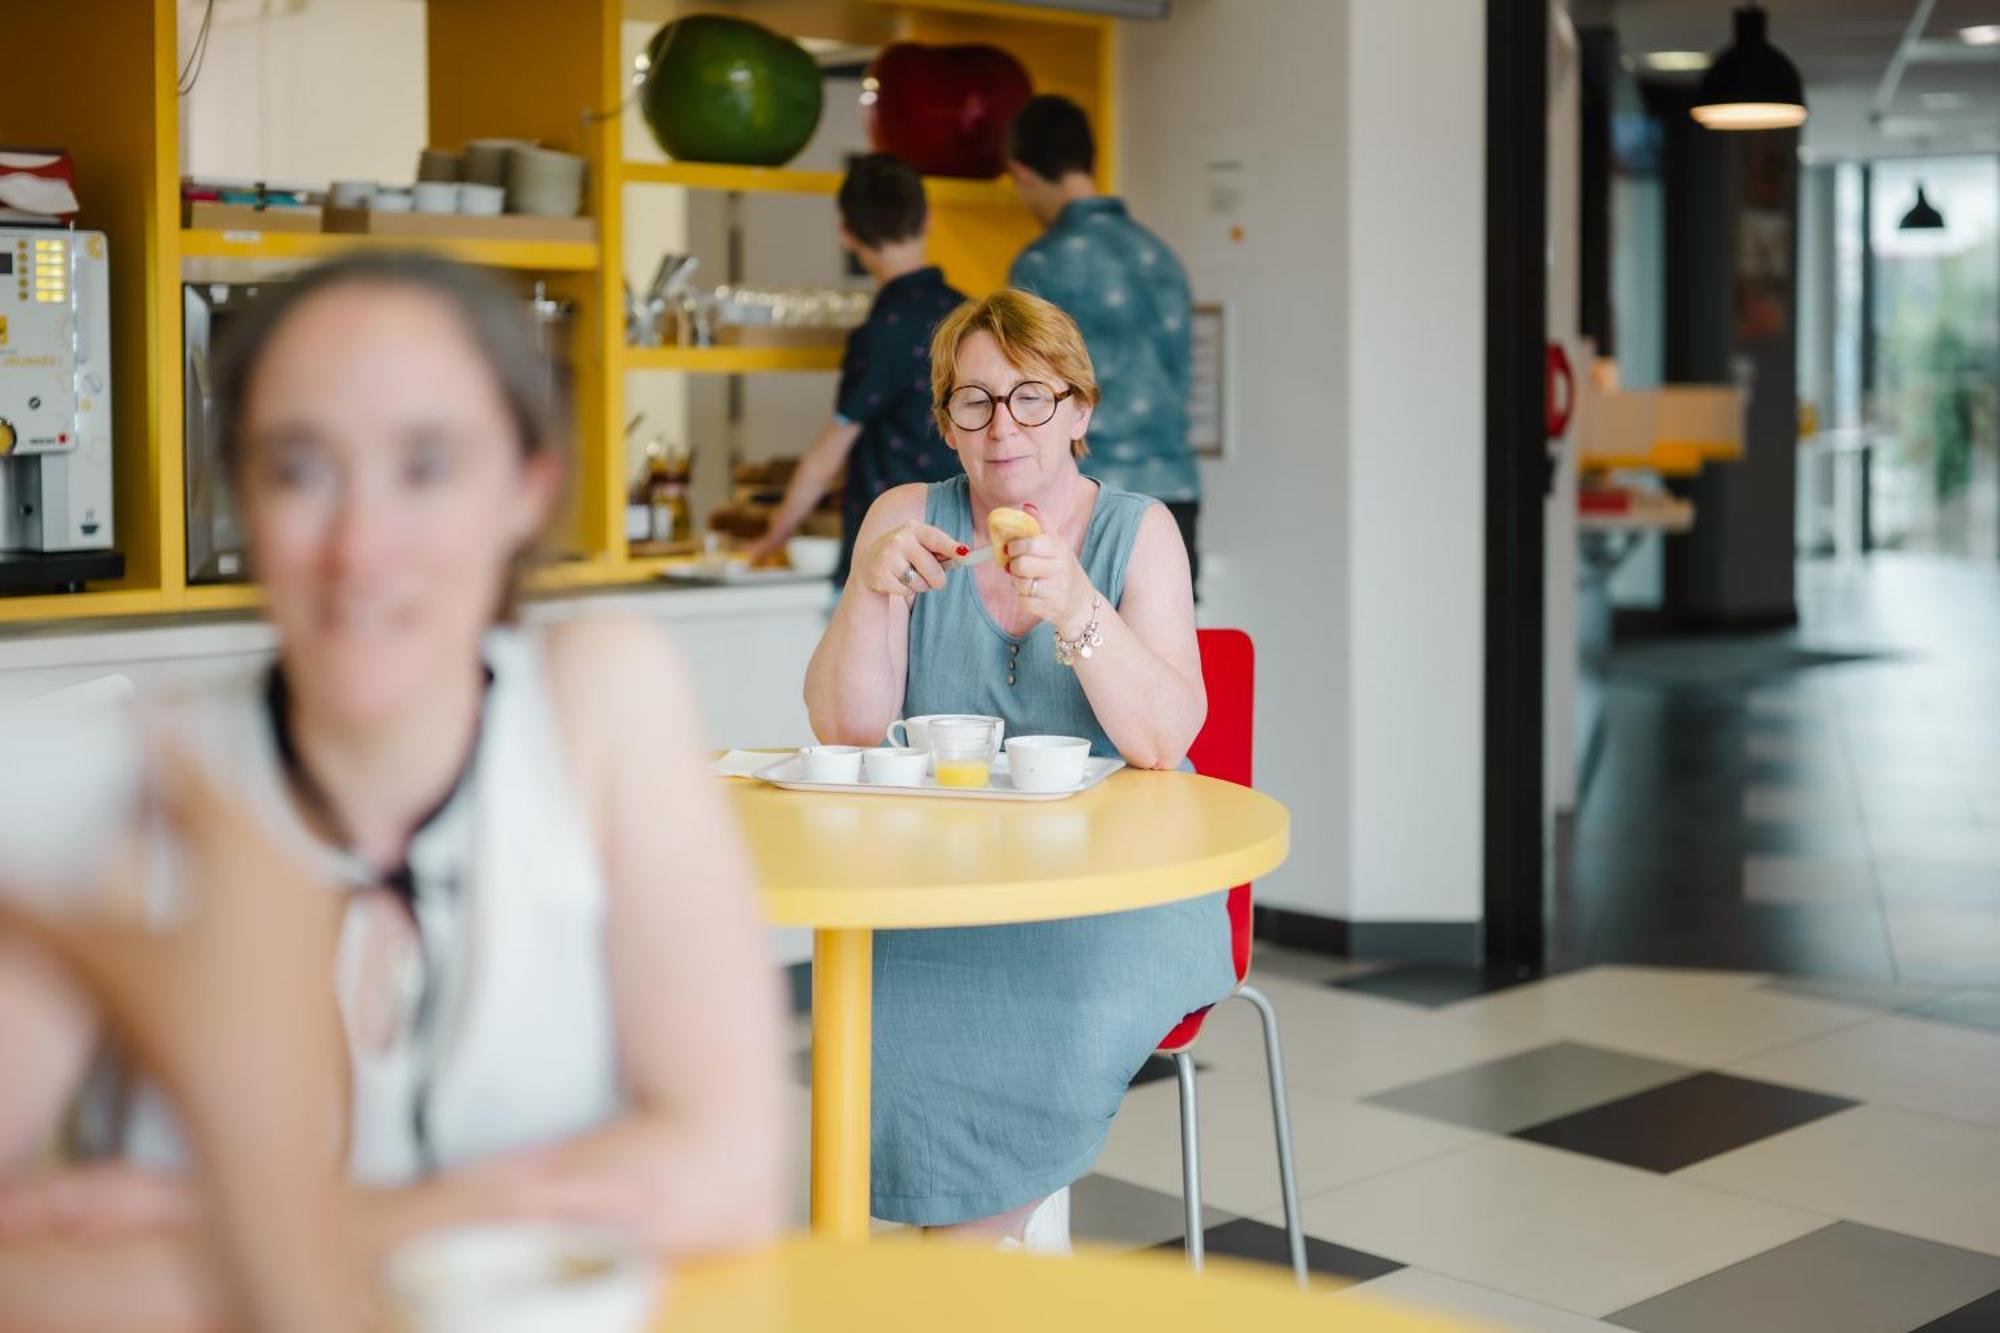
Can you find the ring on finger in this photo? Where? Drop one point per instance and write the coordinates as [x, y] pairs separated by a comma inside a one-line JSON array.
[[1033, 586], [908, 578]]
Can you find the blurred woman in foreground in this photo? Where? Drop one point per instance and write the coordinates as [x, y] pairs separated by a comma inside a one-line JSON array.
[[557, 998]]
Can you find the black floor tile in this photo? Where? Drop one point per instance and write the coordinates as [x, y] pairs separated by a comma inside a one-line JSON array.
[[1156, 1068], [1982, 1316], [1684, 1122], [1246, 1238], [1432, 985]]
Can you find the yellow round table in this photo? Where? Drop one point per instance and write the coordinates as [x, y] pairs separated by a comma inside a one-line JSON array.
[[846, 866], [923, 1286]]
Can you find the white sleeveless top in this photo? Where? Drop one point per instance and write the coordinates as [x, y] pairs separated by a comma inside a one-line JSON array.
[[505, 1036]]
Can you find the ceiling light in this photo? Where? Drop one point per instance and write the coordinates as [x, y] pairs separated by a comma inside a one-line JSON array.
[[1982, 34], [1676, 62], [1921, 217], [1750, 85]]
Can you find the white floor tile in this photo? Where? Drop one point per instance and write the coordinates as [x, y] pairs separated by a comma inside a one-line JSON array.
[[1807, 881], [1946, 845], [1551, 1226], [1685, 1015], [1942, 1068], [1893, 1169], [1334, 1141], [1421, 1292], [1946, 944], [1350, 1044]]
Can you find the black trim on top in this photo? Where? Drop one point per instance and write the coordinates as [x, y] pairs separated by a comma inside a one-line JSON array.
[[1867, 351], [1517, 475]]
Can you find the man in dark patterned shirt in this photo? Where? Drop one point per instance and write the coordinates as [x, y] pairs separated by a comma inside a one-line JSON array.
[[882, 425]]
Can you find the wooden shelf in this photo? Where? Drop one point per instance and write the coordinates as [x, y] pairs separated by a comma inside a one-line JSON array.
[[540, 256], [733, 360], [941, 190]]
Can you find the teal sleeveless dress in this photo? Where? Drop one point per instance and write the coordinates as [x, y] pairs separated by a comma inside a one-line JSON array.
[[1002, 1052]]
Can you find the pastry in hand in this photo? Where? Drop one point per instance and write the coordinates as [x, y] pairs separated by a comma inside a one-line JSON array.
[[1009, 525]]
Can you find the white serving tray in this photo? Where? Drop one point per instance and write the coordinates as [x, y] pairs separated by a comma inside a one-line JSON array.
[[786, 773]]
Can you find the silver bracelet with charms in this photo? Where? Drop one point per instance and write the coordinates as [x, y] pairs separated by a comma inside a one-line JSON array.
[[1087, 641]]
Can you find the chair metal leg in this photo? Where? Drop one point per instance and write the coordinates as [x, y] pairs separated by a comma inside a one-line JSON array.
[[1282, 1122], [1190, 1158]]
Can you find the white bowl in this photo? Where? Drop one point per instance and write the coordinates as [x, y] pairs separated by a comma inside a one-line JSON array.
[[352, 194], [520, 1278], [482, 201], [895, 765], [436, 196], [818, 556], [830, 763], [391, 201], [1047, 763]]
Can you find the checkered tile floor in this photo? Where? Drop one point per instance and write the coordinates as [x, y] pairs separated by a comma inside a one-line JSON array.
[[1804, 1140], [1615, 1148]]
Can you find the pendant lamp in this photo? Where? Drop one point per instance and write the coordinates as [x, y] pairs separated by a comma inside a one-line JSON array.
[[1750, 85], [1922, 216]]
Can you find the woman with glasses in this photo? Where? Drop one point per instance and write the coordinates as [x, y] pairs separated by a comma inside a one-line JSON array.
[[1002, 1053]]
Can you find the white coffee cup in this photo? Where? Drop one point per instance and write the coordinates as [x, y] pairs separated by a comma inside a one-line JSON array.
[[351, 194], [483, 201], [830, 763], [520, 1277], [895, 765], [917, 730], [1047, 763], [436, 196]]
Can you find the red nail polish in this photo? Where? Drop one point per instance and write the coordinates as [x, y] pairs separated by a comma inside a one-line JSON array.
[[965, 550]]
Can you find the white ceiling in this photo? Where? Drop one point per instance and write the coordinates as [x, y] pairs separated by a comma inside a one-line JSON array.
[[1843, 49]]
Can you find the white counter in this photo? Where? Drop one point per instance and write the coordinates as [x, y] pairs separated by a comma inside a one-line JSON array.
[[746, 648]]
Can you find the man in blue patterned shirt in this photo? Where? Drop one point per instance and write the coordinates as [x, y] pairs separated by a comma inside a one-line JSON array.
[[883, 428], [1128, 294]]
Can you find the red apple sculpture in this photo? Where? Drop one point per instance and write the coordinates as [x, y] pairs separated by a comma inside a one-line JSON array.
[[944, 109]]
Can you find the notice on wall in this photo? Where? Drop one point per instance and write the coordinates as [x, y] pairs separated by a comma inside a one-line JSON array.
[[1228, 183], [1207, 366]]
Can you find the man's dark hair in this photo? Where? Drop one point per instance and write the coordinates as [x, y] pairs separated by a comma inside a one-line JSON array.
[[1050, 136], [882, 200]]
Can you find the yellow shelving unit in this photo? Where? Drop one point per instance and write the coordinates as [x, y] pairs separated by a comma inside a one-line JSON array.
[[781, 180], [732, 360], [525, 69], [306, 246]]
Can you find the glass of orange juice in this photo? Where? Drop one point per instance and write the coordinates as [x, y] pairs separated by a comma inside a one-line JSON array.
[[962, 750]]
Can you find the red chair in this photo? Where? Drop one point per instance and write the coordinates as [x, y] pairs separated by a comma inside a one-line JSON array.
[[1229, 670]]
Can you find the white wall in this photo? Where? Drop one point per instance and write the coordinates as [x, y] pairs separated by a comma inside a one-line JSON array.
[[306, 94], [1560, 674], [1345, 530], [1274, 512], [1416, 636]]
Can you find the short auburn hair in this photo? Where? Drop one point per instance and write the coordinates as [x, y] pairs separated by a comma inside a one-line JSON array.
[[1034, 335]]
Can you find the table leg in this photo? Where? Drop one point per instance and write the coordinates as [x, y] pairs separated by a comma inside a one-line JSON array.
[[843, 1049]]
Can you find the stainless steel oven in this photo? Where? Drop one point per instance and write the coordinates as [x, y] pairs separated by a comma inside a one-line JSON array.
[[216, 550]]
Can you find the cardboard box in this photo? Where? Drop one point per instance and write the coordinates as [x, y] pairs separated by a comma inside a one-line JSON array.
[[779, 335], [208, 215]]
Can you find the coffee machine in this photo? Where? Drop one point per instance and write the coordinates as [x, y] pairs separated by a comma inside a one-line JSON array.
[[55, 410]]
